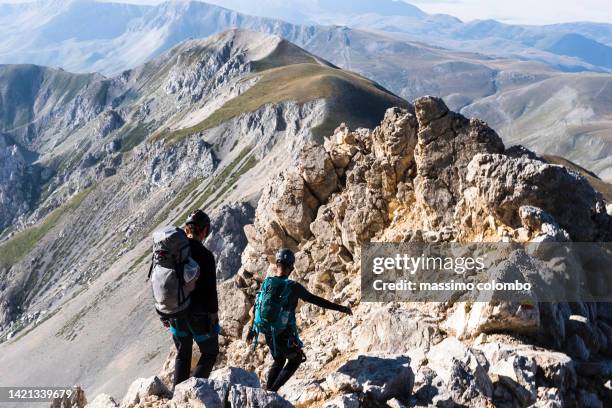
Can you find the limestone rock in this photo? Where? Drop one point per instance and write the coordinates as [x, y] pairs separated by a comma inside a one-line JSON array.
[[248, 397], [227, 240], [395, 139], [236, 376], [284, 213], [447, 142], [234, 307], [396, 331], [380, 377], [344, 401], [537, 221], [505, 184], [317, 169], [144, 387], [463, 370], [198, 392], [517, 373]]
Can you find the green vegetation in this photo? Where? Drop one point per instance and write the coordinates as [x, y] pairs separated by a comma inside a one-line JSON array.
[[25, 81], [72, 159], [357, 97], [285, 54], [178, 199], [246, 165], [216, 183], [23, 242], [134, 137]]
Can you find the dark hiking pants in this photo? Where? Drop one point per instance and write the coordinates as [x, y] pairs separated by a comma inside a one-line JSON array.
[[184, 332], [287, 358]]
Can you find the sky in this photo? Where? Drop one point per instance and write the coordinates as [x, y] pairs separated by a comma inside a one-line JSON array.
[[512, 11], [522, 11]]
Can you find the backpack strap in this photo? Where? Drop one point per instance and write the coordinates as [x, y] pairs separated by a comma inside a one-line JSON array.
[[181, 279], [151, 267]]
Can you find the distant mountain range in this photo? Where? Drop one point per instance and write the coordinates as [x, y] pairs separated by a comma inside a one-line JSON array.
[[588, 46], [485, 68], [85, 35]]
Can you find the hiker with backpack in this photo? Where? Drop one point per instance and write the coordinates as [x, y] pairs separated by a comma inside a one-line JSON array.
[[274, 316], [187, 306]]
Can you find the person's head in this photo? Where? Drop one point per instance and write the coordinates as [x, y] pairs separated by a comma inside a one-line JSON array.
[[285, 259], [197, 225]]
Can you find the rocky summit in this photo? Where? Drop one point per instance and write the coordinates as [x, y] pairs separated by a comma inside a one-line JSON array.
[[425, 174]]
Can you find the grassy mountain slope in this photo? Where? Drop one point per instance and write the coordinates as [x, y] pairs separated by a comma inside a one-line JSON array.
[[23, 86], [352, 98]]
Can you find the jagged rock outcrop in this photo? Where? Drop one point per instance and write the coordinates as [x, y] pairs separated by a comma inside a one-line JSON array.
[[18, 181], [227, 239], [428, 174]]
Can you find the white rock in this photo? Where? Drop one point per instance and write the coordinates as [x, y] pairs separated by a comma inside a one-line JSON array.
[[381, 376], [144, 387], [344, 401], [450, 358], [247, 397], [198, 391], [236, 376]]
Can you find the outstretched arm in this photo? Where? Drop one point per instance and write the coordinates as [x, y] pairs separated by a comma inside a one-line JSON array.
[[306, 296]]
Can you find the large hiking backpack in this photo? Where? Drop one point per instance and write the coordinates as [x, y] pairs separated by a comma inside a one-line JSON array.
[[272, 314], [173, 272]]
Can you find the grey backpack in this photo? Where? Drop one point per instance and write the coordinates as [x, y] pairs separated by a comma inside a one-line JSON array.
[[173, 272]]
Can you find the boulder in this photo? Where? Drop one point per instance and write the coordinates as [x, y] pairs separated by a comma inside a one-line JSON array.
[[518, 374], [248, 397], [317, 170], [504, 184], [236, 376], [198, 392], [144, 387], [390, 330], [344, 401], [228, 239], [284, 213], [555, 369], [463, 370], [234, 308], [379, 376], [303, 391]]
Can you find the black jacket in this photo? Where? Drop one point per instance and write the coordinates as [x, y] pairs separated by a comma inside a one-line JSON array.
[[298, 291], [204, 297]]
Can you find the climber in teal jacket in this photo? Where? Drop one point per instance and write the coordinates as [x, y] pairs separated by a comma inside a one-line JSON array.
[[274, 316]]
